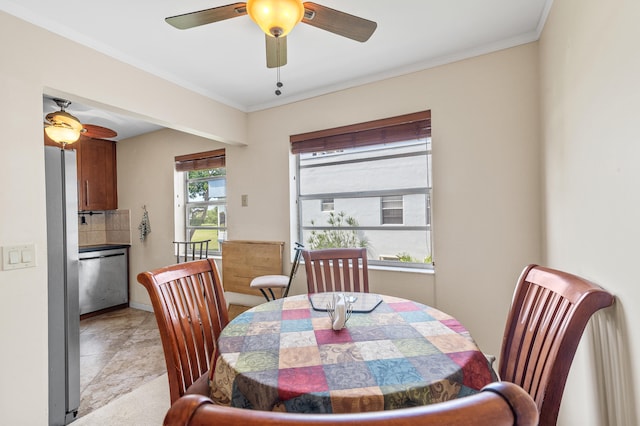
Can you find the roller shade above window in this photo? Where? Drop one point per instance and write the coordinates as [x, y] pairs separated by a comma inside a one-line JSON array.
[[388, 130], [200, 160]]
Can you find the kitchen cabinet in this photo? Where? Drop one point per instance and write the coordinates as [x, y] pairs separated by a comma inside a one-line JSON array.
[[97, 183]]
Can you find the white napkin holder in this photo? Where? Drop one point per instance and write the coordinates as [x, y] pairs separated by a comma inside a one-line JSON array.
[[339, 311]]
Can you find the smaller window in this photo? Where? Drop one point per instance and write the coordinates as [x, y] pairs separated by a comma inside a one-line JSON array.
[[392, 210], [326, 205], [205, 192]]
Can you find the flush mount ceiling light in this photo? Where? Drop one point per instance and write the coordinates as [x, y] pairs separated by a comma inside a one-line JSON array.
[[61, 126]]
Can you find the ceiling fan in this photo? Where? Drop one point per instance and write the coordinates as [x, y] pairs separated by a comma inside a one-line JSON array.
[[63, 128], [277, 18]]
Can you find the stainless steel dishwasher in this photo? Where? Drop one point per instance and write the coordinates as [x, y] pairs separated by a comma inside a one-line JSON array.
[[103, 279]]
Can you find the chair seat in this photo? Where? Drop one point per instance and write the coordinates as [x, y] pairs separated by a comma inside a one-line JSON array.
[[270, 281]]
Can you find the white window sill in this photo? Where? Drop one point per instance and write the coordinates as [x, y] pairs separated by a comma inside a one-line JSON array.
[[425, 271]]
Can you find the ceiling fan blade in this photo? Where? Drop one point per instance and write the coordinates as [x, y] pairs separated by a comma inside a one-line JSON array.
[[341, 23], [276, 51], [97, 132], [207, 16]]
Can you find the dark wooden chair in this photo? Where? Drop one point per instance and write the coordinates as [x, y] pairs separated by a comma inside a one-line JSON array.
[[498, 404], [548, 315], [191, 250], [267, 283], [191, 311], [336, 269]]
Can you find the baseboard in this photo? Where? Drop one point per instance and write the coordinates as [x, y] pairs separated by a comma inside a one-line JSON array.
[[103, 311], [141, 306]]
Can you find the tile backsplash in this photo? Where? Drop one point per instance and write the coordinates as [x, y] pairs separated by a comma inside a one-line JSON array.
[[104, 227]]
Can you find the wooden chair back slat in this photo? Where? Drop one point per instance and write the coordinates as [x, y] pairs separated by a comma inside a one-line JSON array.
[[337, 269], [548, 315], [194, 354], [191, 311]]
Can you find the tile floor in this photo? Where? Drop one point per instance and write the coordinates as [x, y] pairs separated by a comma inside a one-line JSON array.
[[119, 351]]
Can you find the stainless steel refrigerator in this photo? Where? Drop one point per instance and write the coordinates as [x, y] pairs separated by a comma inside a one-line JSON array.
[[62, 257]]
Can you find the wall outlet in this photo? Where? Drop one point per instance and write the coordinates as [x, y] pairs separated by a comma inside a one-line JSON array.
[[245, 200]]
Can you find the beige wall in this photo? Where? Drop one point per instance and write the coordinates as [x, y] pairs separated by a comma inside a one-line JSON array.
[[30, 67], [486, 176], [153, 187], [590, 91], [146, 178], [486, 197]]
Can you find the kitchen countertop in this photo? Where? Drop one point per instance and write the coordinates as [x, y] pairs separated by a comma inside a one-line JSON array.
[[98, 247]]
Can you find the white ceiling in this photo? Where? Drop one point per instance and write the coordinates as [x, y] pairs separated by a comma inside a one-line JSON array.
[[226, 60]]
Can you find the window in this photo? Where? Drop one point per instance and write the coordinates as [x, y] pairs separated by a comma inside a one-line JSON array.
[[205, 206], [391, 210], [326, 205], [377, 176]]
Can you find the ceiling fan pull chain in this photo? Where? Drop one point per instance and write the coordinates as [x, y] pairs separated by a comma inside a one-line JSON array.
[[278, 83]]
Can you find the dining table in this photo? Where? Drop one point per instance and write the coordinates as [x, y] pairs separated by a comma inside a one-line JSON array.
[[391, 353]]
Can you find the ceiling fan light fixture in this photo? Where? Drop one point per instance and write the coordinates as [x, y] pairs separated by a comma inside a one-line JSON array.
[[63, 127], [276, 17], [62, 135]]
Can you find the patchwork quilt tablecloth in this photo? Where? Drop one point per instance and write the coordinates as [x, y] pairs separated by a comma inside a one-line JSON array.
[[284, 355]]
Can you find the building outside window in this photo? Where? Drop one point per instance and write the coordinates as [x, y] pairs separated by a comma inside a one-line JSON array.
[[380, 188], [205, 198]]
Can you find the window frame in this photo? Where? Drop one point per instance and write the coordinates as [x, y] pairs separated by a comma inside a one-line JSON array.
[[208, 160], [384, 209], [396, 129]]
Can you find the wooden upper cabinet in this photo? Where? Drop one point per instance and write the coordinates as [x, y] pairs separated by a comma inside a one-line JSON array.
[[97, 184]]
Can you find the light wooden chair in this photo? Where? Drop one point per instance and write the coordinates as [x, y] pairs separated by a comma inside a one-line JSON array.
[[267, 283], [498, 404], [191, 311], [548, 315], [336, 269]]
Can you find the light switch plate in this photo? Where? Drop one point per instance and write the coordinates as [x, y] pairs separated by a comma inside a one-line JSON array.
[[18, 257]]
